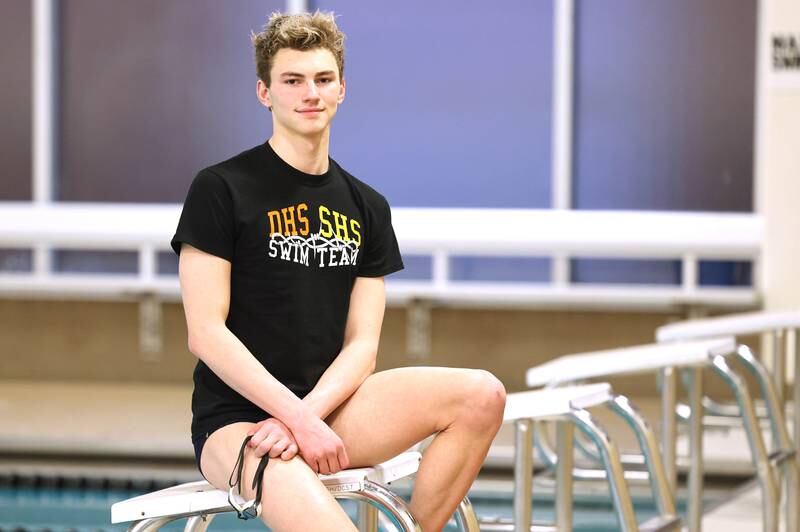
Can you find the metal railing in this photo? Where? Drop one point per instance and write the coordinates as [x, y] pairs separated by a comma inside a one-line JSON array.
[[441, 234]]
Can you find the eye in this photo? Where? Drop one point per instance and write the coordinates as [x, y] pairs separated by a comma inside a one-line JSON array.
[[325, 80], [292, 81]]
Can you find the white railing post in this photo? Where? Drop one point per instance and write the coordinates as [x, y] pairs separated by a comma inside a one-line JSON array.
[[147, 264], [563, 43], [689, 277], [296, 6], [42, 261], [441, 269], [45, 126], [560, 270], [45, 80]]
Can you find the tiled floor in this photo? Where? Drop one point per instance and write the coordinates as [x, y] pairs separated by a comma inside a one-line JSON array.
[[151, 422], [740, 514]]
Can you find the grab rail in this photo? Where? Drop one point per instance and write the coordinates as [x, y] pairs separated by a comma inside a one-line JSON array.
[[441, 234]]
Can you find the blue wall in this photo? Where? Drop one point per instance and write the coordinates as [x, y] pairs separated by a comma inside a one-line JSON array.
[[449, 103]]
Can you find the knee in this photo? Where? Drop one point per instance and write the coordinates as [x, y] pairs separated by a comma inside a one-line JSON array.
[[288, 473], [484, 399]]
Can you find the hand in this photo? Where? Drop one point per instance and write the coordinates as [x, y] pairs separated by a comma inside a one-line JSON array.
[[274, 438], [320, 447]]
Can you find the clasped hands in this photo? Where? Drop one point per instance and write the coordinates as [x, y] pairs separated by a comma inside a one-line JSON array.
[[312, 439]]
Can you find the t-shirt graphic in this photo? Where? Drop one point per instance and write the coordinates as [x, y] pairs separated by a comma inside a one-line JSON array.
[[296, 244], [337, 242]]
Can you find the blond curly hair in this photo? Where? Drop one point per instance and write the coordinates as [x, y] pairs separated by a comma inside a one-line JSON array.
[[304, 31]]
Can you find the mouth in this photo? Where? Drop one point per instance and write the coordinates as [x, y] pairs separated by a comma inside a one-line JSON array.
[[309, 111]]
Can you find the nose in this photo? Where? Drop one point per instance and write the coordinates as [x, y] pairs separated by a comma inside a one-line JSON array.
[[311, 91]]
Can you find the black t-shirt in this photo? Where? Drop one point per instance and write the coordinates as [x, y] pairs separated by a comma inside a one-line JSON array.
[[296, 243]]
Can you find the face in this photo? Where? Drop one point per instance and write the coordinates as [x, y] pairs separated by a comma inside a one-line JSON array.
[[304, 92]]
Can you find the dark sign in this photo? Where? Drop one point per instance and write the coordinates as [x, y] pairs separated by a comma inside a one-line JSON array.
[[786, 52]]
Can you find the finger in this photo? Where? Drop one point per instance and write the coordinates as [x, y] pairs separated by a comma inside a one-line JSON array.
[[323, 467], [265, 431], [332, 465], [255, 428], [290, 452], [336, 465], [344, 460], [279, 447], [258, 438], [264, 447], [259, 435]]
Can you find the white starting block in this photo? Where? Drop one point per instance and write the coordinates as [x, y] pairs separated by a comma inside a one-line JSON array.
[[782, 458], [730, 325], [200, 501], [693, 357], [626, 361], [567, 407]]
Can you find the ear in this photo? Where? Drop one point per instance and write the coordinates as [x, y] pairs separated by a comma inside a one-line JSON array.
[[262, 93], [340, 99]]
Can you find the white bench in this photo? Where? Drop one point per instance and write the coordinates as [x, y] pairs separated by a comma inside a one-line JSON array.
[[692, 356], [782, 326], [567, 407], [200, 501]]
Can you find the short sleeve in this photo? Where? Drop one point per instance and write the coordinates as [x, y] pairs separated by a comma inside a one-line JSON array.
[[381, 252], [207, 219]]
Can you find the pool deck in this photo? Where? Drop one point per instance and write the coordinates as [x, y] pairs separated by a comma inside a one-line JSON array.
[[150, 424], [741, 514]]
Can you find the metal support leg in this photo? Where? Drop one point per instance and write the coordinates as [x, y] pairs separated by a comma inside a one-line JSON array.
[[587, 449], [662, 492], [795, 354], [151, 525], [198, 523], [465, 514], [758, 450], [669, 435], [778, 362], [564, 443], [367, 517], [695, 517], [523, 474], [779, 377], [784, 453], [616, 478], [794, 500], [391, 503], [769, 392]]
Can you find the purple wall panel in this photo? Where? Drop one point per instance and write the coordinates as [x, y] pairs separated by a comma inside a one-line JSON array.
[[15, 100], [154, 90], [664, 104], [664, 117], [448, 103]]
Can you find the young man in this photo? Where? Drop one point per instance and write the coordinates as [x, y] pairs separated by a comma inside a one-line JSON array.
[[282, 258]]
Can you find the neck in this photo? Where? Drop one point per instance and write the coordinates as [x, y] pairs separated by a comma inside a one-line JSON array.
[[307, 154]]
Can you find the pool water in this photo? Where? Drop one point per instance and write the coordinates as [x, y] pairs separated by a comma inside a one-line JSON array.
[[32, 509]]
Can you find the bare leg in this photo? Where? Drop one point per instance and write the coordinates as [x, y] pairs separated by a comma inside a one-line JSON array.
[[290, 492], [393, 410]]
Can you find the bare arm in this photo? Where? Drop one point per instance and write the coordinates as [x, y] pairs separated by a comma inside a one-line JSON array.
[[205, 288], [356, 361]]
